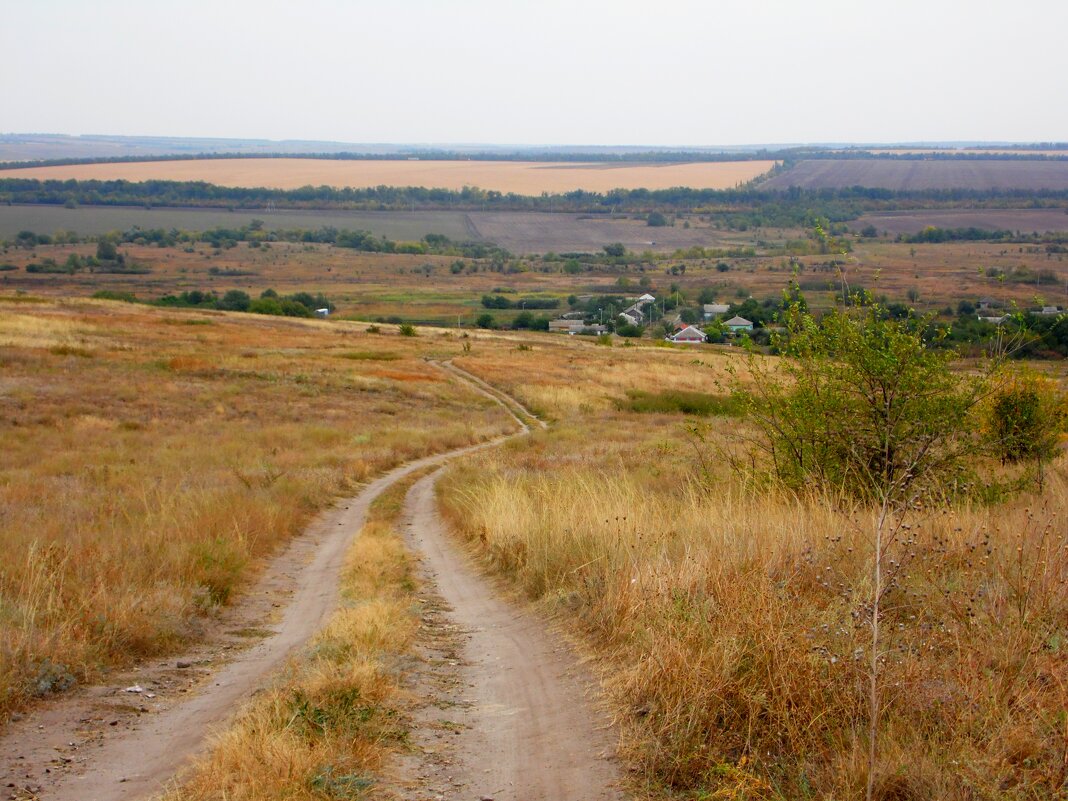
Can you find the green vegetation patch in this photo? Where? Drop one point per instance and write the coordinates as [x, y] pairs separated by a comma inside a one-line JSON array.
[[675, 401], [370, 356]]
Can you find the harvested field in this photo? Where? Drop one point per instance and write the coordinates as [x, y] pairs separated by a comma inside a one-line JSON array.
[[522, 177], [910, 222], [921, 174], [90, 220]]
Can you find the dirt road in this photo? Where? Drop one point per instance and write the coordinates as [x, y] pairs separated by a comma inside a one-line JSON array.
[[125, 739], [505, 711], [525, 726]]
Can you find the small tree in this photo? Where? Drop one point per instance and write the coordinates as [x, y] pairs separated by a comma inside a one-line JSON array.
[[860, 407]]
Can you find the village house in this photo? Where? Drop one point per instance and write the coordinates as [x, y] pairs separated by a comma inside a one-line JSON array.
[[690, 335], [715, 309], [736, 324], [565, 326]]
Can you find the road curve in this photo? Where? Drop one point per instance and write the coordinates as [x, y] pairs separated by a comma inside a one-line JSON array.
[[137, 760]]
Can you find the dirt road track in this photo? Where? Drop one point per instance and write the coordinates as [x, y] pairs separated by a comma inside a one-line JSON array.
[[70, 751], [505, 712]]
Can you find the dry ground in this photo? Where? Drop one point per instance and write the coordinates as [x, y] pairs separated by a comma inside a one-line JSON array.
[[521, 177]]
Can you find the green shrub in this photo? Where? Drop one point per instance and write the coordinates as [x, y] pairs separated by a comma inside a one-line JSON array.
[[681, 402]]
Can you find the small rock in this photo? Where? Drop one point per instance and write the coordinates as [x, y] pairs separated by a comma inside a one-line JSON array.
[[134, 688], [183, 665]]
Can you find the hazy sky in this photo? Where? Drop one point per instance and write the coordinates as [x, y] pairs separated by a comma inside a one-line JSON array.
[[660, 72]]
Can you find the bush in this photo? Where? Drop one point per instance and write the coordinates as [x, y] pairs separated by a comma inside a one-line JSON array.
[[407, 330], [678, 401], [862, 405], [630, 331], [110, 294], [266, 306], [235, 300], [1025, 419], [486, 321]]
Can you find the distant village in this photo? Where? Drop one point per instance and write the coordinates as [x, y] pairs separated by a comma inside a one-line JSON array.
[[720, 322], [638, 317]]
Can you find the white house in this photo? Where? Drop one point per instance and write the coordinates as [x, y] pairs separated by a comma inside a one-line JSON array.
[[1049, 310], [736, 324], [715, 309], [690, 334], [322, 312]]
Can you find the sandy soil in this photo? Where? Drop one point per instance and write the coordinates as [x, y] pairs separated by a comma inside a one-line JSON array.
[[126, 739], [504, 708], [504, 176]]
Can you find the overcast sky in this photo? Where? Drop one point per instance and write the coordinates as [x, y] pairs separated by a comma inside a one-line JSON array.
[[659, 72]]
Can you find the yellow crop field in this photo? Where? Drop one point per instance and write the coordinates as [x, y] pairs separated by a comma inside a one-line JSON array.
[[522, 177]]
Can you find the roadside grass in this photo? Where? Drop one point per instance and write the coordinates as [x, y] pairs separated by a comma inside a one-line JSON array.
[[326, 728], [728, 618], [148, 469]]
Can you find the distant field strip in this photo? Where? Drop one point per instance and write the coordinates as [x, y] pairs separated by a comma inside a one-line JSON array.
[[913, 221], [522, 177], [920, 174], [88, 220]]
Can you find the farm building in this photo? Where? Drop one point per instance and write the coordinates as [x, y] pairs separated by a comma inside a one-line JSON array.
[[690, 334], [715, 309], [736, 324], [565, 326], [1049, 310], [322, 312]]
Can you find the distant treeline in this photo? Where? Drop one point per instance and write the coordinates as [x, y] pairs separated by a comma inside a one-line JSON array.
[[299, 304], [738, 208], [256, 235]]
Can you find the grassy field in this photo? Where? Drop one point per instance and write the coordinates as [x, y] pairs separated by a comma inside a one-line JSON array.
[[152, 459], [913, 175], [723, 613], [528, 178]]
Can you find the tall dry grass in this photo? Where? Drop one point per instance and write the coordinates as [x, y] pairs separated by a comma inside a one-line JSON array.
[[730, 620], [148, 466]]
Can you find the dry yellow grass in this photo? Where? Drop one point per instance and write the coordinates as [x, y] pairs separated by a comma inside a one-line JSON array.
[[729, 619], [522, 177], [151, 459]]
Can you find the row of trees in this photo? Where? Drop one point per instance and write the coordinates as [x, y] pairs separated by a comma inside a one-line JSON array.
[[748, 206]]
